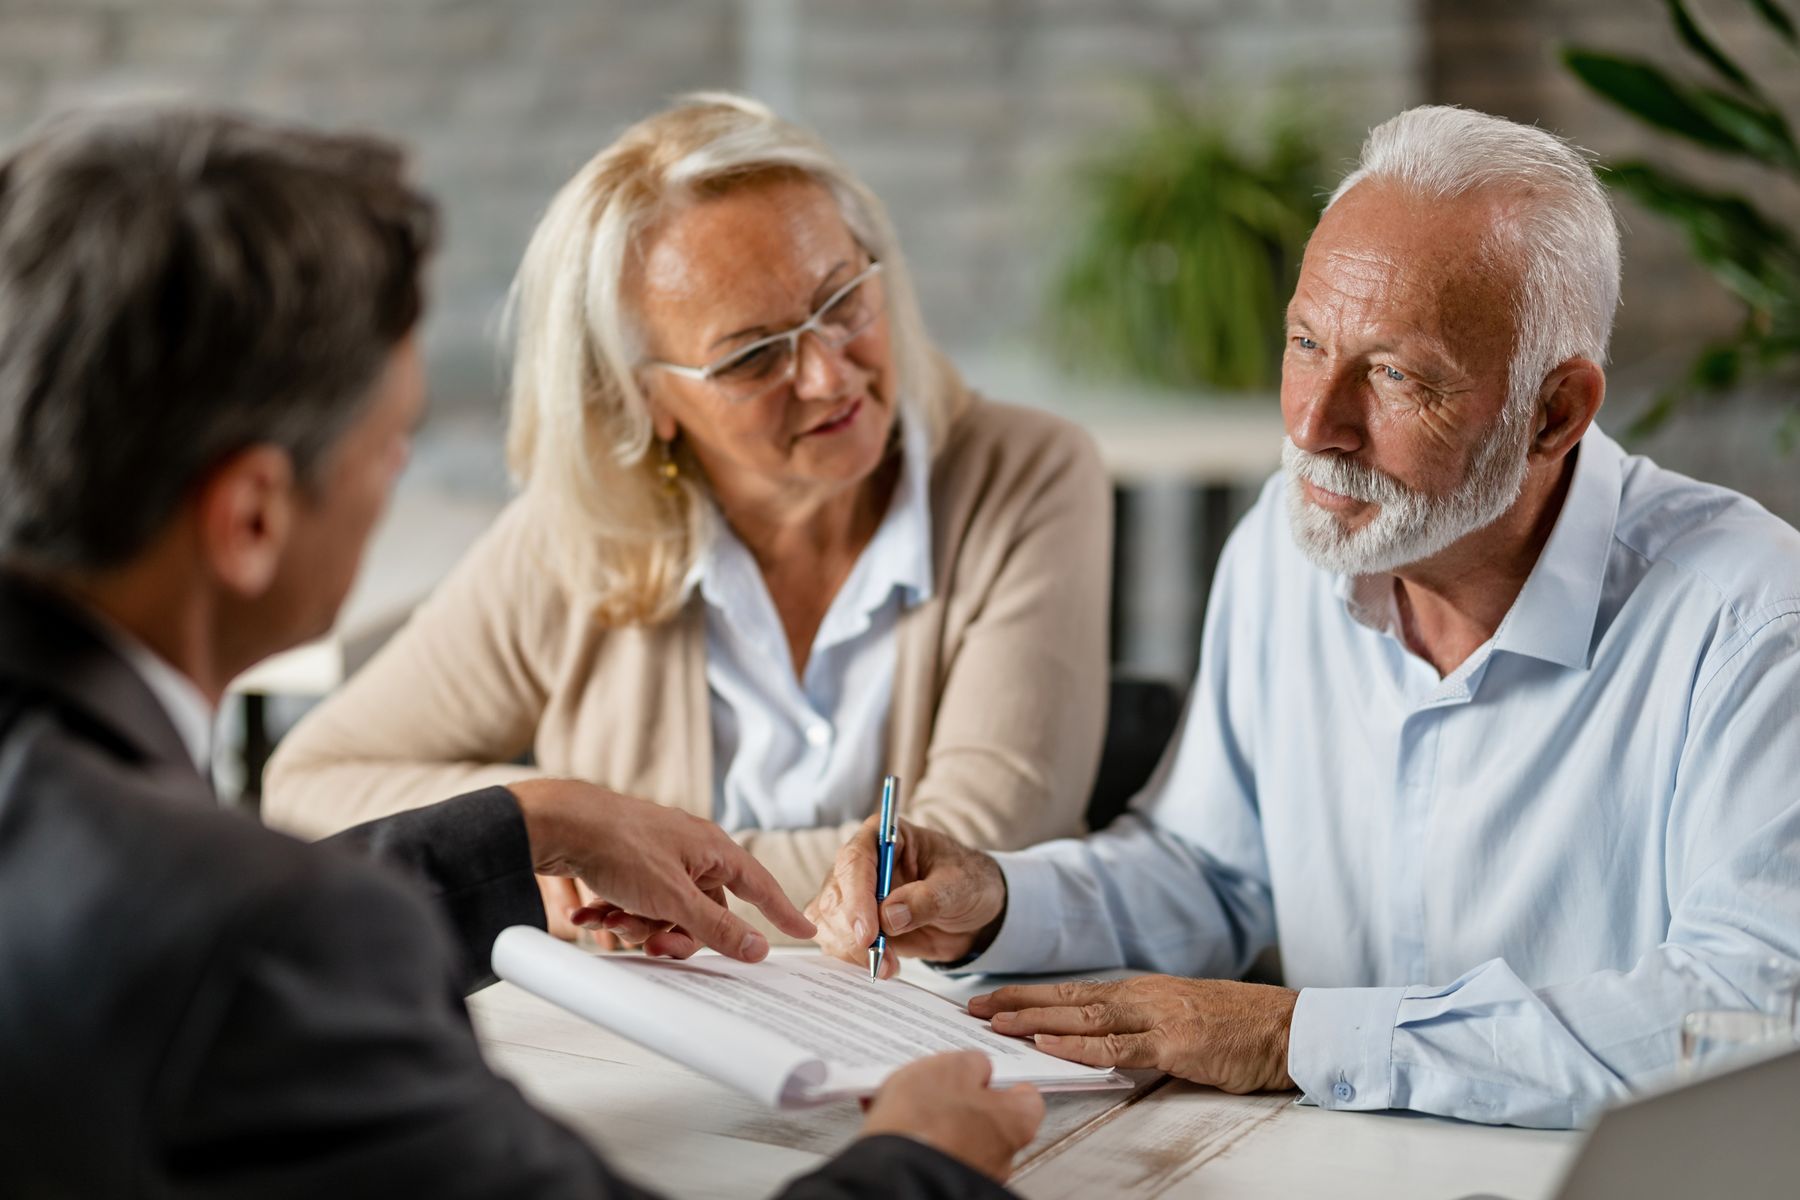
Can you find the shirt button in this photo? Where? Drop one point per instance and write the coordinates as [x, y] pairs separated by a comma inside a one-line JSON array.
[[1342, 1092], [818, 734]]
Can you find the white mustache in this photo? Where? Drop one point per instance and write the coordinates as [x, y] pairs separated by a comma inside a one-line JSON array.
[[1346, 478]]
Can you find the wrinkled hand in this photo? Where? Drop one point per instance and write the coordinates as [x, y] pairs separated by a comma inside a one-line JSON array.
[[945, 900], [1232, 1036], [945, 1102], [658, 872]]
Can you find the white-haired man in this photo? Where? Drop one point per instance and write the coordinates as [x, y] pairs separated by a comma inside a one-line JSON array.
[[1494, 726]]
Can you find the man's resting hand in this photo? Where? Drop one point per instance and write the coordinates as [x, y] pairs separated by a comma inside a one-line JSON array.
[[1232, 1036]]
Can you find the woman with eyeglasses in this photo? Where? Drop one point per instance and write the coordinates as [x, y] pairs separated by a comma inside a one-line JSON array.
[[768, 549]]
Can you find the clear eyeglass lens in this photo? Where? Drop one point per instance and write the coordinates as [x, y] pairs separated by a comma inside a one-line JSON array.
[[757, 363], [763, 368], [848, 315]]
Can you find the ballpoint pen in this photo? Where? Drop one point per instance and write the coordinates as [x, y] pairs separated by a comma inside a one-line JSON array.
[[884, 876]]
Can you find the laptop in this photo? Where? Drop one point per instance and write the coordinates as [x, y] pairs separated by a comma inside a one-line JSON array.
[[1734, 1135]]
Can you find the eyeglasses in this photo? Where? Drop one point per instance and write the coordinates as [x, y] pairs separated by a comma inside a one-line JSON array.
[[752, 372]]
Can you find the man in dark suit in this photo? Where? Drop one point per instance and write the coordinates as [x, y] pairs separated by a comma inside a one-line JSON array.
[[208, 378]]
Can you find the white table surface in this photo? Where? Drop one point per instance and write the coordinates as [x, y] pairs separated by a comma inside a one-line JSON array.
[[689, 1136]]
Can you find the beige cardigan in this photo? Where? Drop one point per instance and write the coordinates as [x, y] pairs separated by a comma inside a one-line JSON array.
[[999, 690]]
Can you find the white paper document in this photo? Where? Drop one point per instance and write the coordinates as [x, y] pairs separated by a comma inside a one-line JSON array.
[[790, 1030]]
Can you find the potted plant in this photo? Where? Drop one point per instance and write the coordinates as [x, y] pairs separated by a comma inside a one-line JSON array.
[[1753, 255], [1190, 247]]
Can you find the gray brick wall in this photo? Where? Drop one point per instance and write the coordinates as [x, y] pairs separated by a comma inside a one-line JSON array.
[[967, 117], [499, 101], [964, 114]]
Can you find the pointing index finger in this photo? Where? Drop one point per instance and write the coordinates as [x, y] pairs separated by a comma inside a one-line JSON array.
[[751, 880]]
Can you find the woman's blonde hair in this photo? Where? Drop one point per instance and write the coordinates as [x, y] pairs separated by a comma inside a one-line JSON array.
[[581, 439]]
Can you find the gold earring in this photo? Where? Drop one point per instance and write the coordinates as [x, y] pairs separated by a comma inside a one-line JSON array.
[[669, 470]]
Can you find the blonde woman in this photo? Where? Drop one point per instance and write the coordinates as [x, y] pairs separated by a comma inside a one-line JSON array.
[[768, 547]]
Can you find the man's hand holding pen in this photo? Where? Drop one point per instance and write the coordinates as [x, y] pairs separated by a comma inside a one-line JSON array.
[[885, 836], [945, 903]]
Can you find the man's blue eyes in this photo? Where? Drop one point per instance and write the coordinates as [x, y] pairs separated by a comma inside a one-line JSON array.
[[1306, 343]]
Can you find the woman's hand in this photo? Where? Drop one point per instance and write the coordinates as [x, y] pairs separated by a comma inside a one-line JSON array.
[[560, 899], [571, 909]]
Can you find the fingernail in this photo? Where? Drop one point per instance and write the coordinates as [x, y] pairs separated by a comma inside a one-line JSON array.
[[754, 945], [1043, 1039], [862, 932], [899, 917], [1002, 1019]]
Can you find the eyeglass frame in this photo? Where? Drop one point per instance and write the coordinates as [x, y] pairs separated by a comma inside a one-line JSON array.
[[710, 372]]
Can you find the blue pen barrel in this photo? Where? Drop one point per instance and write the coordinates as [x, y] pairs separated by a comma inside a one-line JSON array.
[[887, 870], [890, 787]]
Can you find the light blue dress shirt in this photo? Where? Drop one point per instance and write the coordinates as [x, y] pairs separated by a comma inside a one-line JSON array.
[[793, 753], [1499, 890]]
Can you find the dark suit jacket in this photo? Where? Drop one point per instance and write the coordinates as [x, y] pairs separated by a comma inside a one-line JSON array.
[[192, 1005]]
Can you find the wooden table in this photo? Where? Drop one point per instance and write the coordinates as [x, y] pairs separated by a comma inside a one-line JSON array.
[[691, 1137]]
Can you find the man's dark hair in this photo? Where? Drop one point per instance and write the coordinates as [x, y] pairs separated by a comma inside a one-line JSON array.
[[176, 286]]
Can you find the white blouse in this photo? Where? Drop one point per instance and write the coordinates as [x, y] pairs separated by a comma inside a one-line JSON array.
[[791, 752]]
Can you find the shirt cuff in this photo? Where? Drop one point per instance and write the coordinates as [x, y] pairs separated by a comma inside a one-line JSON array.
[[1030, 929], [1341, 1046]]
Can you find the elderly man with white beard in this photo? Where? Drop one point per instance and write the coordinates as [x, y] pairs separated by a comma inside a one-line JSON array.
[[1496, 730]]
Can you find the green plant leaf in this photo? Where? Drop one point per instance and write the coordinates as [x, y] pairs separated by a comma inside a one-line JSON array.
[[1190, 239], [1753, 257], [1716, 368], [1647, 93], [1704, 48], [1779, 351], [1787, 434], [1756, 259], [1777, 19], [1761, 131], [1711, 118]]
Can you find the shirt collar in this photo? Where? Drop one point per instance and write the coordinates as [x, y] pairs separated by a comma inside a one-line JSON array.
[[898, 557], [179, 696], [1369, 599], [1553, 617]]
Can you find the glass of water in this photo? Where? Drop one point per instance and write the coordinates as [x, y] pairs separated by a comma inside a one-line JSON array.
[[1714, 1040]]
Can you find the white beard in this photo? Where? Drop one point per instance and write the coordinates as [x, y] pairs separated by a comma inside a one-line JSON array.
[[1409, 526]]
